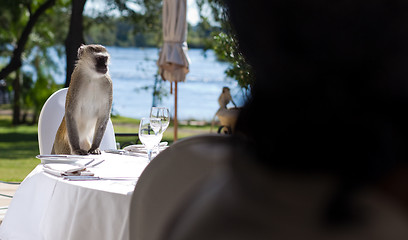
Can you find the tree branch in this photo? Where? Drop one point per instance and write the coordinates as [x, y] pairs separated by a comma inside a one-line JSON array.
[[15, 61]]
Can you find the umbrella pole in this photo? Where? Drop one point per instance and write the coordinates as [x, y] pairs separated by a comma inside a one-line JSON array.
[[175, 111]]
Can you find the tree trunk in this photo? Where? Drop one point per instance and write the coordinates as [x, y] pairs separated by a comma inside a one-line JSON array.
[[75, 37], [16, 98]]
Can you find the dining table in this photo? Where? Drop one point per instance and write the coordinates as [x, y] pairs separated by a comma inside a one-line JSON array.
[[95, 205]]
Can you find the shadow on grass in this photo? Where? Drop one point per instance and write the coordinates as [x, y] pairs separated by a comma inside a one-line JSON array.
[[18, 145], [18, 137]]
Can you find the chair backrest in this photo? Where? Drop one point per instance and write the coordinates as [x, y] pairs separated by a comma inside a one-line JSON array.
[[169, 180], [50, 118]]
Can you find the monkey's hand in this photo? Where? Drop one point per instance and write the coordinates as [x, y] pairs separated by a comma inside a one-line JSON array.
[[95, 151], [80, 152]]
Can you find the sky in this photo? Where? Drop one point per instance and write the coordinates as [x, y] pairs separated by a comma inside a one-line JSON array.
[[192, 9], [192, 12]]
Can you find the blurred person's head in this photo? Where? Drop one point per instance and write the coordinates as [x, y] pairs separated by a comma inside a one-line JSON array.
[[334, 75]]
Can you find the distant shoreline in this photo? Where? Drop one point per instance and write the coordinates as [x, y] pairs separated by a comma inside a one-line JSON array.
[[190, 122]]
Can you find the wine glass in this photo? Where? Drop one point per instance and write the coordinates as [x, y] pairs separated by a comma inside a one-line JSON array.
[[163, 113], [149, 134]]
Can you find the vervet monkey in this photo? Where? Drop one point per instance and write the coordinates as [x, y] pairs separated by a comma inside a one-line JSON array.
[[88, 104], [226, 116], [225, 98]]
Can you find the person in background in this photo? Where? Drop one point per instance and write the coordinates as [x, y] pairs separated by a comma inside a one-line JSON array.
[[332, 162]]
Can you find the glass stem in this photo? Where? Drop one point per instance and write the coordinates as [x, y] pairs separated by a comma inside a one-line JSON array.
[[149, 154]]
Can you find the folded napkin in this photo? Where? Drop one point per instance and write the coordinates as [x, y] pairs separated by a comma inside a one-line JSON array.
[[140, 148], [59, 169]]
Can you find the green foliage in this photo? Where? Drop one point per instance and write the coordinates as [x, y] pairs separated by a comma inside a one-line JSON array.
[[118, 31], [125, 32], [99, 30], [226, 48], [200, 36], [50, 30], [41, 89], [139, 24], [12, 19], [225, 43]]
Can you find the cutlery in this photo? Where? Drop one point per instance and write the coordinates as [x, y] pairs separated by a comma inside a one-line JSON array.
[[86, 164], [88, 178], [95, 164]]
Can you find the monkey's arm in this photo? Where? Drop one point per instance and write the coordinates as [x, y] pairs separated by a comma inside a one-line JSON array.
[[233, 103], [101, 126], [72, 129], [98, 135]]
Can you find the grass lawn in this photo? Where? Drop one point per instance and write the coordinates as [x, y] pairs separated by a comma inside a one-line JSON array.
[[19, 144], [18, 148]]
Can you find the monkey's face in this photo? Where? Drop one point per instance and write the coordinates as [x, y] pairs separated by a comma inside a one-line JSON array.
[[96, 56], [101, 63], [225, 90]]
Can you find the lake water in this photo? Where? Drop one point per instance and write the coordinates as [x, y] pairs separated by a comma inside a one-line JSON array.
[[134, 69]]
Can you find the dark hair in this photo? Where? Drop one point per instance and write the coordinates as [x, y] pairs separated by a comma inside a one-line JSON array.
[[334, 77]]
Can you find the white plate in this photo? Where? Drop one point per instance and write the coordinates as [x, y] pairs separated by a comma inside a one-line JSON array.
[[62, 158], [134, 147], [142, 148]]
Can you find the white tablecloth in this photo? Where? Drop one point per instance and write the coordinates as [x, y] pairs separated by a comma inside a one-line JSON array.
[[48, 207]]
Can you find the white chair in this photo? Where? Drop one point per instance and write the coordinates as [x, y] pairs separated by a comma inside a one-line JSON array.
[[50, 118], [169, 180]]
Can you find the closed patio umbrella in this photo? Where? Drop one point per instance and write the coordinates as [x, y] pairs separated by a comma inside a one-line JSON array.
[[173, 60]]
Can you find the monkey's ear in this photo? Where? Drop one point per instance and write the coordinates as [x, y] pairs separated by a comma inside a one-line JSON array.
[[81, 50]]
